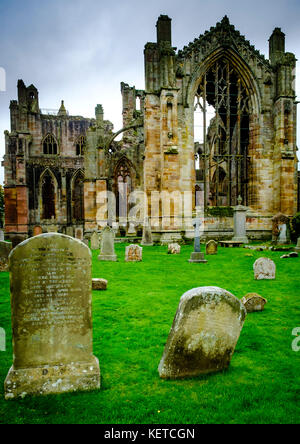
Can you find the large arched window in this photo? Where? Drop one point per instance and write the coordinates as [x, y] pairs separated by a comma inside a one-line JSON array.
[[123, 186], [80, 145], [50, 145], [222, 128], [78, 198], [48, 197]]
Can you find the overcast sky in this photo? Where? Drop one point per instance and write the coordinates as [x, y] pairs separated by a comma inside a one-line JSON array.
[[80, 50]]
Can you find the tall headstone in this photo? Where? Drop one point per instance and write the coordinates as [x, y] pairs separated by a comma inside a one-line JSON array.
[[240, 223], [95, 241], [197, 256], [51, 287], [211, 247], [108, 245], [204, 334], [133, 253], [264, 268], [5, 249], [147, 233], [1, 235]]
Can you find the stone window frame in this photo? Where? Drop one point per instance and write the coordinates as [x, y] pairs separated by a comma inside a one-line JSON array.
[[80, 145], [51, 143]]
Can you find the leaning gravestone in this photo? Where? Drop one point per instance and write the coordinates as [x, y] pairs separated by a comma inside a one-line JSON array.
[[51, 318], [5, 249], [212, 247], [133, 253], [174, 248], [1, 235], [264, 268], [95, 241], [254, 302], [204, 334], [108, 245]]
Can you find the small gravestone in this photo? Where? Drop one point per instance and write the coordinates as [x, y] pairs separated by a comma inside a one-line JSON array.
[[1, 235], [99, 284], [133, 253], [204, 334], [264, 268], [5, 249], [51, 283], [37, 230], [147, 234], [174, 248], [79, 234], [95, 241], [254, 302], [108, 245], [212, 247]]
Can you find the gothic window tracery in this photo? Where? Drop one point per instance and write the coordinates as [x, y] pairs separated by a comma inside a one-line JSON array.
[[80, 146], [50, 145], [124, 186], [224, 104]]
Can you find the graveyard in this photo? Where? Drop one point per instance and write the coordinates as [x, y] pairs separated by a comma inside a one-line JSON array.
[[131, 324]]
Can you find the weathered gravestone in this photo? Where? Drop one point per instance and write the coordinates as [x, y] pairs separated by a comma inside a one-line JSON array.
[[174, 248], [5, 249], [147, 233], [79, 234], [1, 235], [204, 334], [254, 302], [133, 253], [51, 287], [100, 284], [108, 245], [264, 268], [212, 247], [95, 241], [281, 229], [37, 230]]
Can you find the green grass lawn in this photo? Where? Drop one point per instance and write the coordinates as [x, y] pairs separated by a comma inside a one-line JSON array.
[[131, 325]]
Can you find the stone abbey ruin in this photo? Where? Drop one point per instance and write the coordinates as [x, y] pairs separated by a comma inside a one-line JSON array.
[[215, 123]]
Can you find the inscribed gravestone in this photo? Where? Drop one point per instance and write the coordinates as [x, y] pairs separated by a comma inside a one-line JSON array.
[[5, 249], [212, 247], [1, 235], [264, 268], [133, 253], [204, 334], [108, 245], [95, 241], [51, 318]]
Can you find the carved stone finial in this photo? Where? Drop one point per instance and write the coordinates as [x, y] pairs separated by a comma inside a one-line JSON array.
[[240, 200]]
